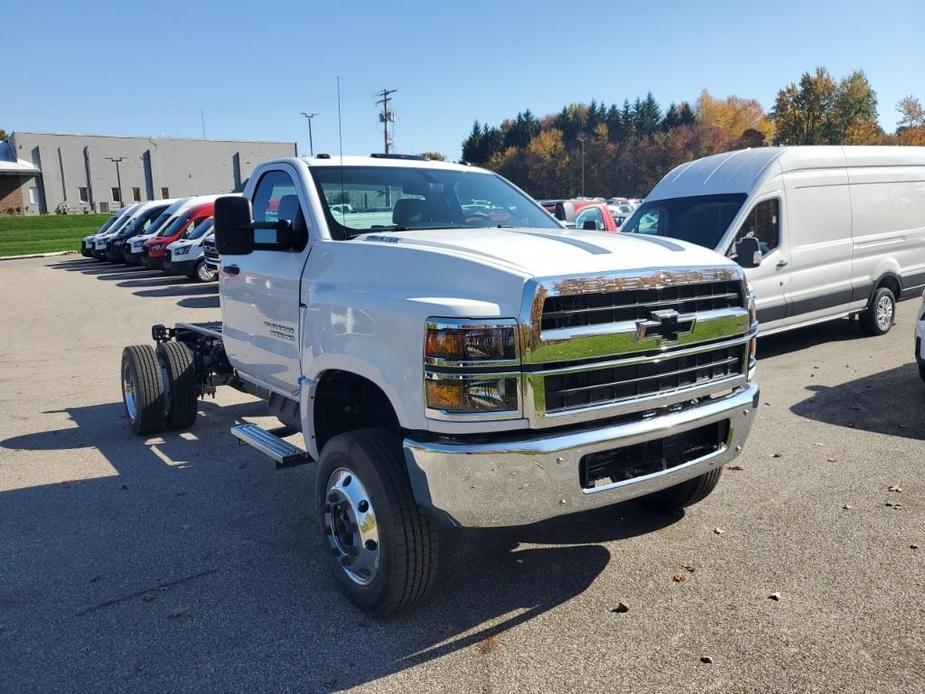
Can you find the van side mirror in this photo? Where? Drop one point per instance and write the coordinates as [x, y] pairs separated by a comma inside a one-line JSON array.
[[589, 225], [748, 252], [234, 231]]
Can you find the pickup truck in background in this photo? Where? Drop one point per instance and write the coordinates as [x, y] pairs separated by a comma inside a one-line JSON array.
[[451, 367]]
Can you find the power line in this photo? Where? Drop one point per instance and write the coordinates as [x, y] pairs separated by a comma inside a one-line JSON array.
[[386, 116]]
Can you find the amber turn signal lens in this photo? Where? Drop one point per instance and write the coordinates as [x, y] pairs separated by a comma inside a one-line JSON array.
[[482, 395]]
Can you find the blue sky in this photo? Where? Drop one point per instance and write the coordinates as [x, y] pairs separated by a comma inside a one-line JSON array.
[[118, 68]]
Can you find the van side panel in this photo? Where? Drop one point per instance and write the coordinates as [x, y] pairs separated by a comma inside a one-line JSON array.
[[818, 209], [888, 208]]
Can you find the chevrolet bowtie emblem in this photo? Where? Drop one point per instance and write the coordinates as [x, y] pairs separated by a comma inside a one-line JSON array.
[[668, 324]]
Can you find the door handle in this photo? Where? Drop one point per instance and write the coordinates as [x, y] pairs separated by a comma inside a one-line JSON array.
[[231, 269], [781, 263]]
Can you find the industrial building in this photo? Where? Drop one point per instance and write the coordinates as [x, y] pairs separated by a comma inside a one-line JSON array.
[[46, 172]]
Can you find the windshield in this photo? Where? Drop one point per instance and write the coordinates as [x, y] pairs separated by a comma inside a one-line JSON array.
[[362, 199], [159, 222], [142, 222], [204, 227], [700, 219], [177, 226]]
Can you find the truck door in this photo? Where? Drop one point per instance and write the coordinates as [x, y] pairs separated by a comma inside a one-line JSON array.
[[260, 291], [769, 280]]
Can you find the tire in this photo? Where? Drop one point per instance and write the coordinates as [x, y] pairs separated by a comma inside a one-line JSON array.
[[685, 494], [878, 318], [181, 384], [142, 390], [368, 466], [922, 370], [203, 273]]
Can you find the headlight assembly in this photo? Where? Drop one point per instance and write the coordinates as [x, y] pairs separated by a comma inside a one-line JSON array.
[[472, 367]]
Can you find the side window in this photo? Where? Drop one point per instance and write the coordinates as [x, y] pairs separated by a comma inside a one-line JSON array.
[[647, 223], [277, 197], [592, 214], [762, 223]]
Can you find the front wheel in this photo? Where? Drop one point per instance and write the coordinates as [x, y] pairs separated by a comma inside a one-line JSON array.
[[685, 494], [204, 273], [381, 549], [880, 314]]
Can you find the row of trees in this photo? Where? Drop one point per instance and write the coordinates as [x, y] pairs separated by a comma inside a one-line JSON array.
[[625, 149]]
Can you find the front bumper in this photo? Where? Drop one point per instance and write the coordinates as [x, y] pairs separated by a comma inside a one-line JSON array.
[[518, 482], [155, 263], [181, 267]]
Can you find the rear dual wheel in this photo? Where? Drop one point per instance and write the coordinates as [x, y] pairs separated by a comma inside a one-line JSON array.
[[159, 387]]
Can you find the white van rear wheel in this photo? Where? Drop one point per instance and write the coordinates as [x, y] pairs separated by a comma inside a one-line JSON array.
[[880, 313]]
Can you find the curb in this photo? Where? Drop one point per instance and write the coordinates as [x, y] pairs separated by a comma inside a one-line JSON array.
[[38, 255]]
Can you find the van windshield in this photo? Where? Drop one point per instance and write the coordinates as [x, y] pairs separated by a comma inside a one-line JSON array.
[[700, 219], [361, 199], [200, 229]]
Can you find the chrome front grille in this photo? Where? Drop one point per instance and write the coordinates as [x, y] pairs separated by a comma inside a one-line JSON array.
[[623, 343], [581, 310], [641, 379]]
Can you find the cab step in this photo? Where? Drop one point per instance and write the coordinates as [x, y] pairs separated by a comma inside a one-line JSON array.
[[282, 452]]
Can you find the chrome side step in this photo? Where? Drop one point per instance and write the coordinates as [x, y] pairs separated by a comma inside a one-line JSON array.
[[282, 452]]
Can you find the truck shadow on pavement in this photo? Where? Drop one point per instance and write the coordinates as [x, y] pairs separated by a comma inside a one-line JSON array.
[[810, 336], [890, 402], [115, 581]]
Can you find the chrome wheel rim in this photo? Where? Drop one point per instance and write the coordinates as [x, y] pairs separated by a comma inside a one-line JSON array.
[[884, 312], [128, 391], [205, 274], [349, 523]]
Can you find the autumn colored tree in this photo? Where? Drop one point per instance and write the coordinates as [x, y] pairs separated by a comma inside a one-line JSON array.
[[3, 135], [821, 111], [433, 156], [725, 122]]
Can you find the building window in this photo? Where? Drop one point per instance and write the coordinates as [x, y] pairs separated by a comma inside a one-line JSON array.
[[165, 193], [83, 194], [116, 195], [136, 194], [104, 207], [33, 196]]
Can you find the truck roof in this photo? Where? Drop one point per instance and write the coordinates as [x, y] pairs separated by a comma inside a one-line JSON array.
[[355, 160], [742, 170]]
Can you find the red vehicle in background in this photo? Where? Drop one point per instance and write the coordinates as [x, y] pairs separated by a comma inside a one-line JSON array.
[[154, 249], [588, 215]]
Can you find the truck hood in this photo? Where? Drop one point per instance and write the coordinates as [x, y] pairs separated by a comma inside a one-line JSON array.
[[549, 253]]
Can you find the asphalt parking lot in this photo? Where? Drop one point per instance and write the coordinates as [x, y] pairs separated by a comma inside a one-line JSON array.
[[186, 563]]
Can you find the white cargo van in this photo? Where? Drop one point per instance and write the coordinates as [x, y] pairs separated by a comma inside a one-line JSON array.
[[828, 231]]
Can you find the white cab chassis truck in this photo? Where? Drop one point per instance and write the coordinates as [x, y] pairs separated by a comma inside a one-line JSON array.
[[452, 355]]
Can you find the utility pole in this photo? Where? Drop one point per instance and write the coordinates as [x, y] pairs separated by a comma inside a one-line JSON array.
[[386, 116], [311, 145], [582, 139], [116, 161]]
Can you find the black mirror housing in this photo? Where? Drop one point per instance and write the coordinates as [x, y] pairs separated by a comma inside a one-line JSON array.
[[589, 225], [748, 252], [234, 231]]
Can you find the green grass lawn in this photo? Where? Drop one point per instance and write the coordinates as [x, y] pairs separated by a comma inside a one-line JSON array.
[[46, 233]]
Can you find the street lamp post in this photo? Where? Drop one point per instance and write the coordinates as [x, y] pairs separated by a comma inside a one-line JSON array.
[[311, 145], [116, 160], [582, 139]]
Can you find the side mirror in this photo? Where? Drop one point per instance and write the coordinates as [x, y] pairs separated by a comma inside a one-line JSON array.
[[748, 252], [589, 225], [234, 232]]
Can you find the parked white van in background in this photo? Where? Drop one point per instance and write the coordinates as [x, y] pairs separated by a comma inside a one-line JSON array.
[[825, 232]]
